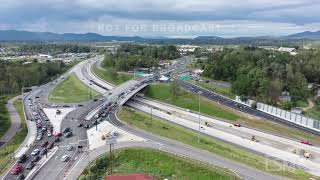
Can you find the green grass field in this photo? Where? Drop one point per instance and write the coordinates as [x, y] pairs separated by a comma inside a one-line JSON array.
[[156, 164], [162, 92], [171, 131], [6, 160], [5, 121], [218, 89], [117, 80], [71, 90]]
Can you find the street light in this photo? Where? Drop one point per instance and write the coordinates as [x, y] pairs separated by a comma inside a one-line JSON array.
[[199, 93]]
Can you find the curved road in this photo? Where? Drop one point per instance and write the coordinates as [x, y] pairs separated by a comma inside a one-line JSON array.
[[15, 122], [172, 147], [55, 169]]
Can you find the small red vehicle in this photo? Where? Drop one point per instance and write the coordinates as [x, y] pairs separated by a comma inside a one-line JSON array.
[[16, 169], [57, 134], [306, 142], [237, 125], [39, 125]]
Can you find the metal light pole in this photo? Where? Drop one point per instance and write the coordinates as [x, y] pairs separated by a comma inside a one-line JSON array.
[[199, 93], [151, 115]]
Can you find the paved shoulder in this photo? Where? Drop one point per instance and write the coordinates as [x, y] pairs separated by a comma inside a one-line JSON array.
[[15, 121]]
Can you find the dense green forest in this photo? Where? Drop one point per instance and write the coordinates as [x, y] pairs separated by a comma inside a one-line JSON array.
[[15, 75], [129, 56], [264, 74], [54, 48]]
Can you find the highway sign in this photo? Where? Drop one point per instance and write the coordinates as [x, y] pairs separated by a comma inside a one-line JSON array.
[[111, 140]]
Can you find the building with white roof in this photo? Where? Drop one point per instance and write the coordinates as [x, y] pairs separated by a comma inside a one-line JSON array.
[[289, 50]]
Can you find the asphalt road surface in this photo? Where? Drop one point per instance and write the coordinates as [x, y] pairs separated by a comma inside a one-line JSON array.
[[15, 122], [237, 106]]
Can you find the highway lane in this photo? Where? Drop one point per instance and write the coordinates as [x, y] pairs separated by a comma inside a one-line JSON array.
[[239, 107], [53, 163], [175, 147], [153, 138], [266, 138], [30, 117], [55, 168], [40, 96]]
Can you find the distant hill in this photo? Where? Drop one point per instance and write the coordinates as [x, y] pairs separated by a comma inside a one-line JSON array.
[[208, 38], [306, 35], [14, 35]]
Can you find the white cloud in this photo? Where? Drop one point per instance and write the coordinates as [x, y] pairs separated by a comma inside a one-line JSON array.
[[251, 17]]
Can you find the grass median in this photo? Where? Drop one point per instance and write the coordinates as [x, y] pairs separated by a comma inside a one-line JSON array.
[[166, 129], [71, 90], [6, 153], [184, 99], [218, 89], [154, 163], [112, 76]]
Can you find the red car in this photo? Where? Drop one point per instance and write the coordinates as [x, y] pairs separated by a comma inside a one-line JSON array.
[[39, 125], [57, 134], [237, 125], [44, 144], [306, 142], [16, 169]]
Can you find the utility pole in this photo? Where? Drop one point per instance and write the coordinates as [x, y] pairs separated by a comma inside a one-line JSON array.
[[96, 124], [111, 163], [199, 93], [151, 115]]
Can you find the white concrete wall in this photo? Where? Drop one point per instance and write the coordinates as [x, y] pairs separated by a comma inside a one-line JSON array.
[[286, 115]]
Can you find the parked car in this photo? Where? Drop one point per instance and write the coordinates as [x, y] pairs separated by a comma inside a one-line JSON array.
[[306, 142], [20, 177], [39, 125], [35, 152], [50, 145], [87, 126], [39, 137], [64, 158], [43, 151], [79, 125], [16, 169], [22, 158], [49, 134], [44, 128], [237, 125], [69, 148], [65, 130], [30, 165], [69, 134], [57, 134], [35, 159], [44, 144]]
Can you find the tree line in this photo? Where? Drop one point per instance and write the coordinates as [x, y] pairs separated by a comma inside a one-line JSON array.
[[264, 74], [53, 49], [129, 56], [15, 75]]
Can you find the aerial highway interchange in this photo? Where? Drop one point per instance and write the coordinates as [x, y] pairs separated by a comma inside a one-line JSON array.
[[50, 163]]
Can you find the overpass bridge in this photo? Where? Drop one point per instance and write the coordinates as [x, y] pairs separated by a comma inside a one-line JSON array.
[[119, 95]]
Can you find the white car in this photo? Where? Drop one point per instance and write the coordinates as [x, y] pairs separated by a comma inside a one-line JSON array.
[[64, 158], [49, 134], [39, 137], [35, 152], [69, 148]]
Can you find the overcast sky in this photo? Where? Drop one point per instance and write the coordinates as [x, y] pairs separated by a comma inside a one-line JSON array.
[[180, 18]]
